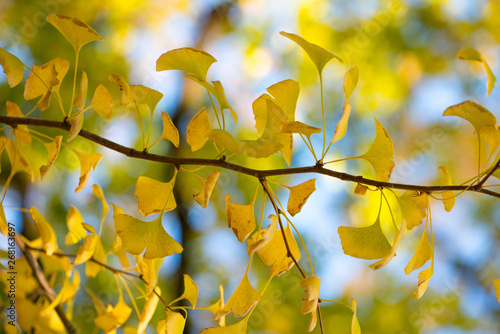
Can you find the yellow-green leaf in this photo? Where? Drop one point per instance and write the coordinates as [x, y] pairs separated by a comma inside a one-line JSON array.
[[350, 81], [380, 154], [240, 218], [113, 317], [299, 195], [147, 268], [190, 291], [117, 249], [87, 162], [197, 130], [136, 235], [299, 127], [241, 301], [189, 60], [75, 31], [154, 196], [259, 240], [237, 328], [471, 54], [47, 234], [74, 221], [18, 161], [367, 242], [76, 125], [413, 207], [208, 186], [20, 131], [127, 98], [102, 102], [355, 327], [224, 139], [319, 56], [286, 94], [274, 253], [145, 96], [173, 324], [53, 151], [81, 94], [87, 249], [170, 132], [12, 67], [448, 196], [422, 255], [148, 311]]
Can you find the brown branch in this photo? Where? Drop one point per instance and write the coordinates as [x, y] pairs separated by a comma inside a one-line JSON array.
[[221, 163], [42, 281]]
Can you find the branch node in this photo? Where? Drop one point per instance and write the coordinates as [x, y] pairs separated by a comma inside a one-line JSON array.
[[319, 164]]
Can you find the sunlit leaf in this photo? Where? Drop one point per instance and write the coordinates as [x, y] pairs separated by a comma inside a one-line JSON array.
[[301, 128], [392, 253], [87, 162], [102, 102], [471, 54], [67, 292], [380, 154], [220, 95], [117, 249], [299, 195], [208, 186], [364, 242], [127, 98], [170, 132], [263, 237], [74, 221], [422, 254], [136, 235], [240, 218], [350, 82], [224, 139], [274, 253], [81, 93], [12, 67], [76, 126], [154, 196], [237, 328], [311, 286], [97, 192], [145, 96], [173, 323], [413, 207], [197, 130], [496, 284], [148, 269], [286, 94], [46, 231], [190, 291], [259, 107], [241, 301], [87, 249], [319, 56], [147, 311], [355, 327], [4, 227], [53, 150], [75, 31], [423, 280], [20, 131], [448, 196], [19, 163], [189, 60], [113, 317]]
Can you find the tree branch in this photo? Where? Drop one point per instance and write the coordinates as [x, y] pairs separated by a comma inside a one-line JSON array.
[[221, 163]]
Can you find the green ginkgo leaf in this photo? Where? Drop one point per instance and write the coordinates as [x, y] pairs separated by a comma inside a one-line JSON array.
[[189, 60], [75, 31], [12, 67]]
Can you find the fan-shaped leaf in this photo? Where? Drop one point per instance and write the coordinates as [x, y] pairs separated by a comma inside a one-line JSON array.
[[154, 196], [413, 207], [170, 132], [12, 67], [299, 195], [75, 31], [471, 54], [189, 60], [208, 186], [364, 242], [197, 130], [240, 218]]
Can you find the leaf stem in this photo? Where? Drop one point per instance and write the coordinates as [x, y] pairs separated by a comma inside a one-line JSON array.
[[77, 52]]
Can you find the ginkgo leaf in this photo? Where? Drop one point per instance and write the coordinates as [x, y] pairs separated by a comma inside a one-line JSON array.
[[220, 95], [4, 227], [355, 327], [237, 328], [423, 281], [19, 163], [208, 186], [102, 102], [301, 128], [173, 323], [67, 292], [299, 195], [190, 291], [127, 97], [413, 207], [76, 125], [319, 56], [471, 54], [170, 132], [275, 254], [224, 139], [197, 130], [12, 67], [259, 240], [148, 311], [145, 96], [154, 196], [81, 94], [259, 108], [97, 192], [148, 268], [113, 317], [75, 31], [93, 268], [53, 151], [448, 196], [51, 75], [286, 94], [117, 249], [350, 82], [89, 228], [483, 121], [241, 301], [360, 189], [189, 60], [311, 286], [87, 249], [136, 235], [47, 234], [74, 221], [422, 254], [392, 253], [364, 242], [496, 284], [87, 162], [240, 218], [20, 131], [380, 154], [100, 308]]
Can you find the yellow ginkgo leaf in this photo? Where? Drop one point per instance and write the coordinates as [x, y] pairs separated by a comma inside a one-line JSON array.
[[392, 253], [319, 56], [448, 196], [149, 269], [19, 163], [220, 95], [422, 255], [148, 311], [97, 192], [47, 234], [127, 98], [275, 254], [311, 286], [197, 130], [190, 291], [4, 227], [471, 54], [20, 131], [12, 67], [483, 121], [136, 235], [350, 82], [299, 127], [113, 317], [237, 328], [259, 107], [74, 221], [97, 302], [299, 195], [117, 249], [367, 242], [259, 240], [92, 268], [423, 280], [76, 125], [355, 327], [226, 140], [496, 284], [87, 249], [380, 154], [81, 94], [240, 218], [170, 132], [241, 301], [413, 207], [154, 196], [173, 323], [360, 189], [102, 102], [189, 60], [53, 150], [286, 94], [75, 31], [87, 162], [208, 186], [89, 228], [145, 96], [68, 291]]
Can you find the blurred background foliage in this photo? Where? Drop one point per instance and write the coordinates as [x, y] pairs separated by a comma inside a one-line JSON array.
[[406, 53]]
